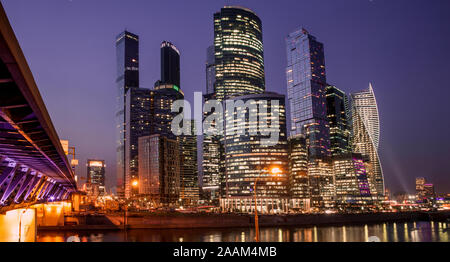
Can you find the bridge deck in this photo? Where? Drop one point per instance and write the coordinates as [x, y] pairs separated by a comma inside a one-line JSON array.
[[33, 165]]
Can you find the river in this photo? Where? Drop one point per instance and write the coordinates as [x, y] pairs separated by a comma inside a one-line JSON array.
[[385, 232]]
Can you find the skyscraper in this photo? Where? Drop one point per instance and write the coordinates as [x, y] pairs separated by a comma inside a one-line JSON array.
[[170, 64], [210, 69], [249, 161], [137, 124], [234, 67], [159, 169], [306, 83], [420, 185], [239, 55], [160, 108], [127, 58], [212, 162], [211, 145], [189, 190], [366, 106], [96, 177], [298, 172], [337, 118], [366, 135]]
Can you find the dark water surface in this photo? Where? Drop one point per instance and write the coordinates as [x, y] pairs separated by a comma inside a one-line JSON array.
[[386, 232]]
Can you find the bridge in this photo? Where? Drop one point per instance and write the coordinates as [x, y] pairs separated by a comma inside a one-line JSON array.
[[33, 165]]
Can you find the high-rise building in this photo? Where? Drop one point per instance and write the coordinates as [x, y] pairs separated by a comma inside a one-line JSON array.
[[137, 124], [306, 83], [212, 162], [321, 183], [298, 172], [365, 104], [189, 190], [366, 135], [96, 177], [337, 118], [429, 191], [170, 64], [127, 58], [420, 185], [159, 169], [248, 160], [234, 67], [352, 186], [162, 97], [239, 55], [210, 69]]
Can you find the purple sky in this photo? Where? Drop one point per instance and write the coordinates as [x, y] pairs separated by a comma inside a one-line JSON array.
[[402, 47]]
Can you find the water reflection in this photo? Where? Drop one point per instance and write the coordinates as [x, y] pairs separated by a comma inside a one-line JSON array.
[[387, 232]]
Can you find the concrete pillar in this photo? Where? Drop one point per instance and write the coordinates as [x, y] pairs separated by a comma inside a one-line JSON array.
[[9, 226]]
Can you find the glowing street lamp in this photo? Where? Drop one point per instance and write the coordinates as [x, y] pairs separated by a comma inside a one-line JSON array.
[[135, 184]]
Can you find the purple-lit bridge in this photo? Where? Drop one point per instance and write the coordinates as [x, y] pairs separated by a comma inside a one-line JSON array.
[[33, 165]]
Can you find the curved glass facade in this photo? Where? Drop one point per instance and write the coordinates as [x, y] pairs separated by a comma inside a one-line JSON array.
[[366, 135], [239, 55]]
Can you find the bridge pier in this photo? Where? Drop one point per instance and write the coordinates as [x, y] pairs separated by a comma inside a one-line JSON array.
[[18, 225]]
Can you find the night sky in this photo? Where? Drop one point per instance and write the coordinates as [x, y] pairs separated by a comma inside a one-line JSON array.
[[402, 47]]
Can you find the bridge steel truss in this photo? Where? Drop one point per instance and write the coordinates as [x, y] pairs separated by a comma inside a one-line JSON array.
[[33, 165]]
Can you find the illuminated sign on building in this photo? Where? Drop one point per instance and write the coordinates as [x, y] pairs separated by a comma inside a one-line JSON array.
[[95, 163], [65, 146]]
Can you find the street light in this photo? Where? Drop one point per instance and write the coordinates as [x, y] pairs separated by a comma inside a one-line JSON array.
[[273, 171], [135, 184]]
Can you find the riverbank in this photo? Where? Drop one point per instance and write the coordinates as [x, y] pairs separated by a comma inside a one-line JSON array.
[[191, 221]]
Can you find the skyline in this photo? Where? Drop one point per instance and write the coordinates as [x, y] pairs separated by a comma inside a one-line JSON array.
[[41, 56]]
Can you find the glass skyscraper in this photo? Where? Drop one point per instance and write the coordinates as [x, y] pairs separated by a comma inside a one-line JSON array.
[[337, 118], [127, 58], [366, 135], [298, 173], [239, 55], [212, 162], [249, 161], [170, 64], [210, 69], [159, 169], [160, 108], [234, 67], [365, 104], [142, 112], [96, 177], [137, 124], [306, 83], [211, 145], [189, 190]]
